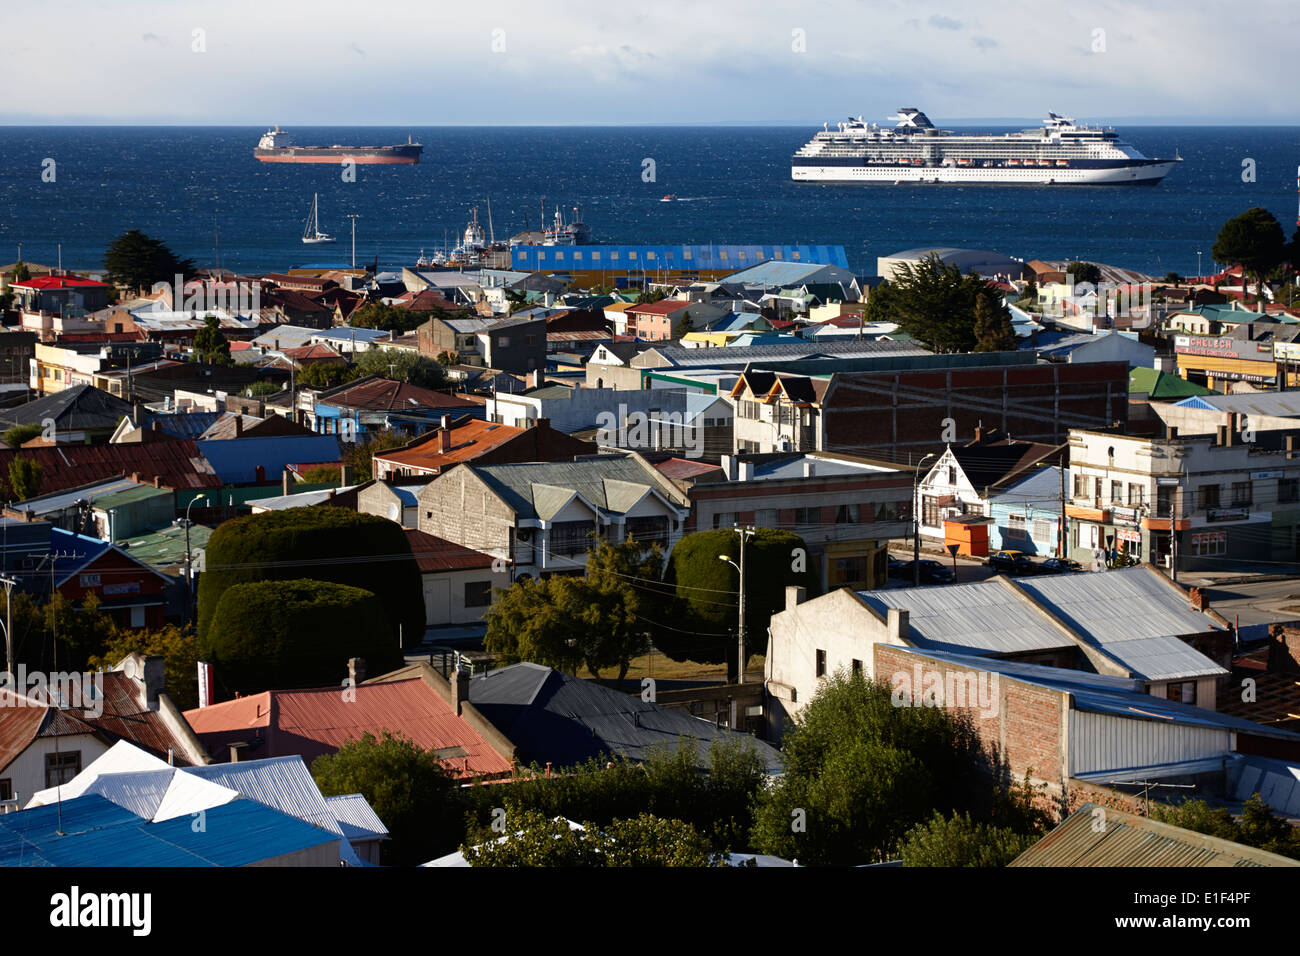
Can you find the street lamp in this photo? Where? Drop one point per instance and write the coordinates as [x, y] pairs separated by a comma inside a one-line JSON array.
[[1198, 265], [916, 523], [189, 561]]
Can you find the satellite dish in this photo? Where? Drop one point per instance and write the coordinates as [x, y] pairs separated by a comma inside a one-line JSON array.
[[394, 511]]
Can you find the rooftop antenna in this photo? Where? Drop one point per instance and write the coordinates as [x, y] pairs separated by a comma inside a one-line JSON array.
[[491, 235], [354, 217]]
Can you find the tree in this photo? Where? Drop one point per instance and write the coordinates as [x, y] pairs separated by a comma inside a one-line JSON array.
[[324, 544], [599, 620], [24, 478], [325, 375], [210, 343], [21, 272], [1258, 826], [957, 841], [1172, 278], [1255, 241], [137, 261], [704, 615], [294, 633], [931, 301], [993, 330], [402, 366], [684, 325], [1083, 272], [263, 389], [860, 772], [321, 475], [361, 456], [389, 318], [448, 358], [21, 434], [178, 648], [409, 788]]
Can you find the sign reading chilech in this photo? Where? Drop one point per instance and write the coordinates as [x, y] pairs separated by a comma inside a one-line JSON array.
[[1227, 514], [1222, 347]]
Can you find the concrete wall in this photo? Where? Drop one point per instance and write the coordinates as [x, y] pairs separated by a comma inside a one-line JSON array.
[[444, 595], [26, 772], [458, 506]]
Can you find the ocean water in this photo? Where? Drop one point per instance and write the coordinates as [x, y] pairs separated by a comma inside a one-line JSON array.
[[200, 190]]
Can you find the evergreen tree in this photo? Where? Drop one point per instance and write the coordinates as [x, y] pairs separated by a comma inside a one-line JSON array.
[[136, 261], [993, 331], [1255, 241]]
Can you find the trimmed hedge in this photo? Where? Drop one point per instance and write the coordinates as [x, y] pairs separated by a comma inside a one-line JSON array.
[[324, 544], [268, 635], [706, 589]]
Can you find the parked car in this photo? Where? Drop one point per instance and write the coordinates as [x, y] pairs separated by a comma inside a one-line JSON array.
[[1010, 562], [932, 572], [899, 568], [1058, 566]]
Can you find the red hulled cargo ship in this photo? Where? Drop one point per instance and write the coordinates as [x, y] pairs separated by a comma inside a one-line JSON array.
[[277, 146]]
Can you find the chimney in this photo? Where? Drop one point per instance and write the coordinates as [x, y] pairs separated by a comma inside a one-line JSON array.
[[284, 481], [1234, 427], [156, 425], [356, 670], [346, 475], [239, 425], [1222, 435], [459, 689], [157, 481], [535, 378], [445, 421], [794, 596], [155, 679], [899, 628], [444, 440], [138, 413], [235, 748], [809, 467], [1200, 600], [729, 469], [746, 471], [979, 433]]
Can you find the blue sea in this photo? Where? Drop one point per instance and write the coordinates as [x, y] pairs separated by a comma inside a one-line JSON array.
[[200, 190]]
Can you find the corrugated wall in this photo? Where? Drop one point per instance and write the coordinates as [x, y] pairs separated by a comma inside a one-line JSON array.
[[1106, 742]]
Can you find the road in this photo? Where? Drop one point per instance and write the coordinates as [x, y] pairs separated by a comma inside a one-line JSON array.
[[1260, 602]]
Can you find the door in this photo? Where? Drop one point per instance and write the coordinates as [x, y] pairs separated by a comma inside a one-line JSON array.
[[437, 602]]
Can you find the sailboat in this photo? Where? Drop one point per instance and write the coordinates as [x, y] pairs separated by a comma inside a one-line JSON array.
[[311, 232]]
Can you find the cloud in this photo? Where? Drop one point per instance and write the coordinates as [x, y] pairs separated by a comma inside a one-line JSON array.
[[983, 43], [356, 49], [153, 38], [944, 23]]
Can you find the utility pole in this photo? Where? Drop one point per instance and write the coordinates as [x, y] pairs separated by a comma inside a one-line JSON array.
[[916, 522], [9, 581], [189, 561], [741, 655], [1060, 535]]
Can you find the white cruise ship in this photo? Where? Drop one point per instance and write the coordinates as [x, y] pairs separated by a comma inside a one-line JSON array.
[[915, 151]]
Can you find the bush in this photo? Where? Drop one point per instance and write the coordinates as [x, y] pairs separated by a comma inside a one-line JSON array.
[[706, 589], [324, 544], [20, 434], [297, 633], [957, 841]]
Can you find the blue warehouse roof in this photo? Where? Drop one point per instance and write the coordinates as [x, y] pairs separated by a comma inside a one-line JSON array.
[[650, 258]]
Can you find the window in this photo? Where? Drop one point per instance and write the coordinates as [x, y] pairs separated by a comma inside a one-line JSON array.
[[503, 342], [1241, 493], [1080, 486], [952, 474], [1288, 489], [930, 511], [821, 670], [478, 593], [1210, 542], [6, 788], [1165, 502], [807, 515], [1044, 530], [767, 518], [1207, 496], [1183, 692], [569, 537], [846, 514], [889, 510], [530, 340], [725, 519], [850, 570], [60, 768], [857, 666], [1015, 527], [1136, 494], [1096, 491], [648, 530], [1117, 491]]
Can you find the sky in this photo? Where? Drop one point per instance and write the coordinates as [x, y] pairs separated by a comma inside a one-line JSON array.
[[647, 62]]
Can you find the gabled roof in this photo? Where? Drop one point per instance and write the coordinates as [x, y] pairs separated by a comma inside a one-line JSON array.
[[382, 394], [468, 441], [517, 484], [1163, 386], [310, 723], [438, 554], [556, 718], [177, 464], [72, 409]]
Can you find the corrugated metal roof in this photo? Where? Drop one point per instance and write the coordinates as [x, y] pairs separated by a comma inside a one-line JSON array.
[[986, 617], [356, 816], [1097, 836], [236, 460], [310, 723], [280, 782], [178, 464], [518, 483], [438, 554], [1277, 781]]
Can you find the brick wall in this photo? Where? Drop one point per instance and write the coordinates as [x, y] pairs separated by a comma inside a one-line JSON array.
[[1024, 733], [459, 507]]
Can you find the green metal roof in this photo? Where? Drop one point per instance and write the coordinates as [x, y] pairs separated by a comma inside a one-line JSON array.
[[165, 549], [1163, 385], [130, 496]]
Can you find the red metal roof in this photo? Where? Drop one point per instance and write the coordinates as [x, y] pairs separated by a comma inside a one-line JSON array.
[[177, 464], [59, 282], [662, 307], [684, 468], [468, 441], [319, 721], [438, 554]]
